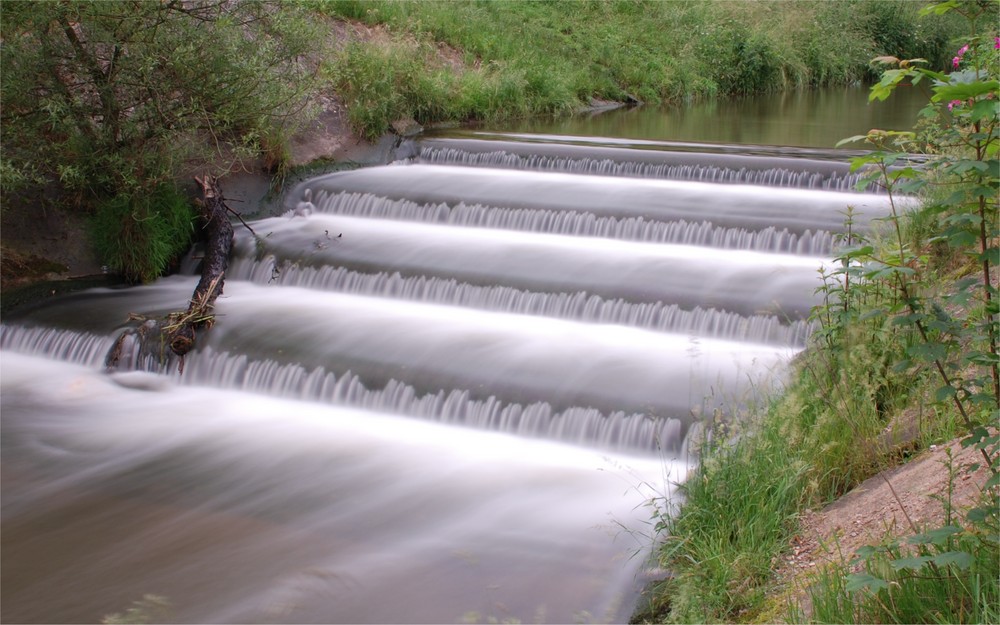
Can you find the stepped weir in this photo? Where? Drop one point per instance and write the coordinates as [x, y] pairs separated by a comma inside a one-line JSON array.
[[434, 387]]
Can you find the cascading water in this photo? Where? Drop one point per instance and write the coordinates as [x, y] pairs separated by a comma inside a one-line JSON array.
[[437, 390]]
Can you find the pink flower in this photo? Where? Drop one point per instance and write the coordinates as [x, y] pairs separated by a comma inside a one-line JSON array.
[[953, 104], [996, 43], [961, 53]]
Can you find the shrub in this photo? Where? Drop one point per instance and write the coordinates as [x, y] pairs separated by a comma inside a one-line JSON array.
[[140, 235]]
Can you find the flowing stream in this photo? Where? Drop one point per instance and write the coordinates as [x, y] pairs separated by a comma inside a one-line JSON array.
[[442, 389]]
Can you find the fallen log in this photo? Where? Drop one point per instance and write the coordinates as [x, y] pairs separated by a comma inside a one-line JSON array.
[[178, 329], [219, 243]]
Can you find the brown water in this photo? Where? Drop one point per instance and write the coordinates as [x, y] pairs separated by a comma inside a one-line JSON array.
[[808, 118]]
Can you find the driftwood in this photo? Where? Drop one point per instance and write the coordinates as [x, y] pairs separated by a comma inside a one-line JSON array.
[[219, 243], [178, 328]]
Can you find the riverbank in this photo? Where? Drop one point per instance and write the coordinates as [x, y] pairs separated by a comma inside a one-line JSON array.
[[370, 65], [47, 251]]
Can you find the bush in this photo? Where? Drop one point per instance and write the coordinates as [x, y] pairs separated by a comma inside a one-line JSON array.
[[111, 100], [141, 235]]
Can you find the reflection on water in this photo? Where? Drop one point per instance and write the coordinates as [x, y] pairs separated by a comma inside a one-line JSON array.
[[806, 118]]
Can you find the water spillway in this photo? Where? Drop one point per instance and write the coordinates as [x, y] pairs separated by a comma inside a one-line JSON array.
[[744, 206], [642, 161], [435, 392], [746, 282]]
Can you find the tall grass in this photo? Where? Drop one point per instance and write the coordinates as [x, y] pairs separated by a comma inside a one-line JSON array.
[[511, 58], [141, 234], [738, 510]]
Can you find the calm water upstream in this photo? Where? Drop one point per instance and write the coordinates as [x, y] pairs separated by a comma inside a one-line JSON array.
[[444, 392]]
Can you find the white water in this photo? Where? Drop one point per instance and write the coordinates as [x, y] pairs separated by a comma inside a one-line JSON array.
[[733, 205], [601, 160], [241, 508], [735, 280], [579, 306], [443, 393], [570, 222]]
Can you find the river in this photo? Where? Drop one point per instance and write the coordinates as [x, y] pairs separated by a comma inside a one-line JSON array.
[[443, 389]]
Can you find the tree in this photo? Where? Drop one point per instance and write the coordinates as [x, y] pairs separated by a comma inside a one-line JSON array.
[[114, 100]]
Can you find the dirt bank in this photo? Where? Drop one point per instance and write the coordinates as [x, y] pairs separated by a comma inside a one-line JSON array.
[[898, 502], [45, 250]]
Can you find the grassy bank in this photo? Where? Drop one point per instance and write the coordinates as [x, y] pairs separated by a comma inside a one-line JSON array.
[[906, 357], [105, 107], [464, 60]]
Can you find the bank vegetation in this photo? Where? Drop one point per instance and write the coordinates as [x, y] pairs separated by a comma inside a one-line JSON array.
[[905, 358], [109, 107]]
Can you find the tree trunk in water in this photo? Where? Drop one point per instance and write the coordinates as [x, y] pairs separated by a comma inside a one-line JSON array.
[[213, 272], [179, 328]]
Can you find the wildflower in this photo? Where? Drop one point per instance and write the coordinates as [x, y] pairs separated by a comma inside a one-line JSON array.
[[961, 52], [953, 104], [996, 43]]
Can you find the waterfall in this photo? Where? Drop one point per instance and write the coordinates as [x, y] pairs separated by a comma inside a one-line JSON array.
[[815, 169], [579, 306], [576, 223], [774, 176], [461, 376]]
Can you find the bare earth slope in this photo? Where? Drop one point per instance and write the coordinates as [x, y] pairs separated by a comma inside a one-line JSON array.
[[883, 506]]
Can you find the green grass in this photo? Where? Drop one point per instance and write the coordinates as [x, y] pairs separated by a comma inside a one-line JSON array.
[[514, 58], [737, 512], [139, 236]]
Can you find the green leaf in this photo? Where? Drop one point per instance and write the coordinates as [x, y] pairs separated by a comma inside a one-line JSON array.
[[854, 252], [940, 76], [971, 219], [911, 187], [966, 283], [865, 551], [913, 563], [977, 434], [906, 172], [978, 515], [962, 238], [984, 358], [888, 271], [928, 352], [872, 314], [939, 8], [992, 482], [890, 79], [961, 91], [853, 139], [944, 393], [861, 581], [960, 559], [989, 255], [966, 164], [983, 109], [936, 536], [866, 159]]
